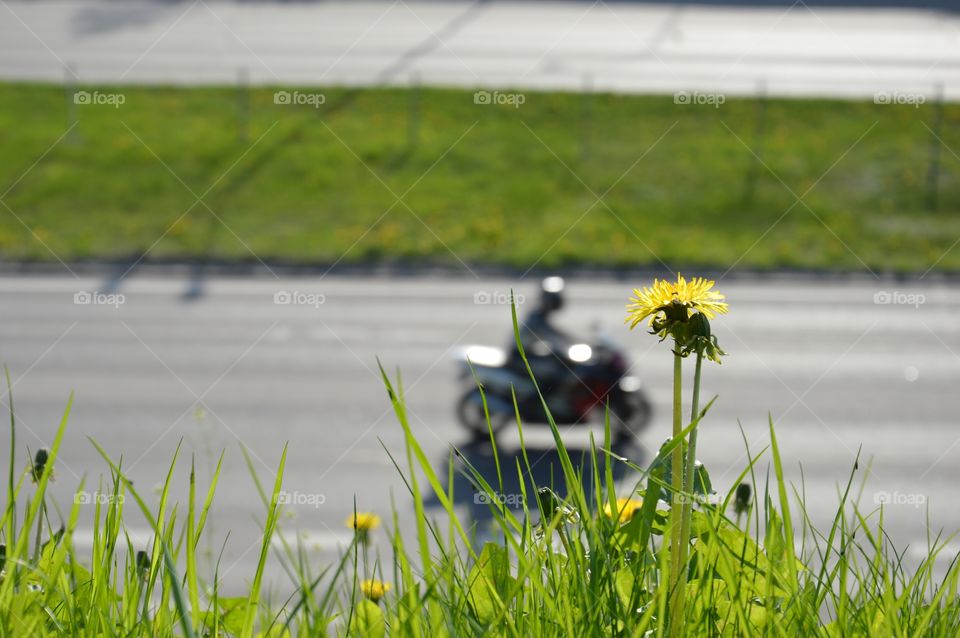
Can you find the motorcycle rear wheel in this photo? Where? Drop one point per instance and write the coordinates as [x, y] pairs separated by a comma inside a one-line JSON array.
[[471, 415], [632, 415]]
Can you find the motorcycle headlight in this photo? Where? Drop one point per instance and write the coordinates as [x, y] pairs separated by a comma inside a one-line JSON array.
[[580, 352]]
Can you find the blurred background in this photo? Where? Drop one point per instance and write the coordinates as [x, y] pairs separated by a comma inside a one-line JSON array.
[[218, 218]]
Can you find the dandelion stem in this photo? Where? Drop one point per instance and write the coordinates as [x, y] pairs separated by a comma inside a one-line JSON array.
[[40, 515], [676, 483], [687, 508], [11, 514]]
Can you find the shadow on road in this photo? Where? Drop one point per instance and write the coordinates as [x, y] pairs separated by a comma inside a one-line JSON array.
[[546, 472], [98, 19]]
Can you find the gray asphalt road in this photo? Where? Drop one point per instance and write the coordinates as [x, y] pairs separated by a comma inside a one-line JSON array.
[[836, 369], [790, 48]]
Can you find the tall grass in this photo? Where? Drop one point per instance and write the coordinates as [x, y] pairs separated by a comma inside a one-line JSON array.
[[592, 562]]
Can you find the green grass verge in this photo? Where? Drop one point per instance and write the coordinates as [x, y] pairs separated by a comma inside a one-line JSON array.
[[480, 183]]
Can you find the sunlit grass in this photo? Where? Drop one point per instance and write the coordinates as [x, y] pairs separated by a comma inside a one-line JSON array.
[[686, 184]]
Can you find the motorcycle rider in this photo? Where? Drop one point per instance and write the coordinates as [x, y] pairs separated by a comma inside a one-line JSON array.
[[573, 378], [544, 344]]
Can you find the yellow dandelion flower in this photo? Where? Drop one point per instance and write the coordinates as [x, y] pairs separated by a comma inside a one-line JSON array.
[[374, 589], [363, 521], [665, 297], [627, 508]]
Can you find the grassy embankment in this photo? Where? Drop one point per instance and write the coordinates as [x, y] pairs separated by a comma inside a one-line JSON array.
[[479, 183]]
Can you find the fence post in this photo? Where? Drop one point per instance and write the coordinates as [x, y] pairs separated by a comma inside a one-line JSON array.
[[586, 113], [70, 100], [243, 104], [933, 174], [759, 135], [413, 112]]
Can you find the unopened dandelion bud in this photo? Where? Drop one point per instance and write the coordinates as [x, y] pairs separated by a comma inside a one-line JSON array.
[[142, 562], [548, 502], [699, 326], [741, 499], [39, 464]]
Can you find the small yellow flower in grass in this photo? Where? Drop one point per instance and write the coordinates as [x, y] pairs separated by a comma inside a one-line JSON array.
[[627, 508], [675, 301], [374, 589], [363, 521]]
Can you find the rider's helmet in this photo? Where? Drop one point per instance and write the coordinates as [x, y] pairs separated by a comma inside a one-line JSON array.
[[551, 294]]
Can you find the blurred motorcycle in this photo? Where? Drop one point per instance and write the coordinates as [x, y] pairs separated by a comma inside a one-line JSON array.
[[579, 380]]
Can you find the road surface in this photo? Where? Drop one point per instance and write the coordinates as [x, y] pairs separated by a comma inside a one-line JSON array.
[[841, 366], [897, 53]]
